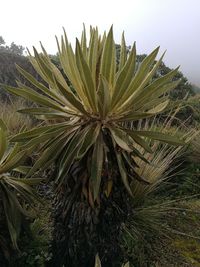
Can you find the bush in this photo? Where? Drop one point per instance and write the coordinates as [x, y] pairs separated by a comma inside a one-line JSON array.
[[35, 245]]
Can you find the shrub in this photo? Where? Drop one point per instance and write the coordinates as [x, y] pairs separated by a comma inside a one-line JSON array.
[[15, 191]]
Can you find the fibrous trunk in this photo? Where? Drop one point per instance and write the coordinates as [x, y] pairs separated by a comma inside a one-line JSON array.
[[82, 231]]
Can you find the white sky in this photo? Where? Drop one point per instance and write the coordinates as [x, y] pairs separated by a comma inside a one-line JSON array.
[[172, 24]]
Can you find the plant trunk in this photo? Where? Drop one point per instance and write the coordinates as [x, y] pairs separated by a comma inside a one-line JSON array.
[[82, 231]]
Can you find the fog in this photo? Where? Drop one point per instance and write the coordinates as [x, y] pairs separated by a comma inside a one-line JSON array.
[[174, 25]]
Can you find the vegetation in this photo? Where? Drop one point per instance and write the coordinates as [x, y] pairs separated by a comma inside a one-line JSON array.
[[88, 120], [14, 120], [15, 190], [12, 48], [112, 162], [37, 252]]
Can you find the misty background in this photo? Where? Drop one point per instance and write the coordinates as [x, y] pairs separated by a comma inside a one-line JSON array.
[[174, 25]]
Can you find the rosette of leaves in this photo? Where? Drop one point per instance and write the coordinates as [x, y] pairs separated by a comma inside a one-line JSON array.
[[86, 107], [15, 192]]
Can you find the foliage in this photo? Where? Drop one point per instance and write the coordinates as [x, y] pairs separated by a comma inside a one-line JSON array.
[[2, 42], [162, 164], [193, 105], [158, 229], [16, 192], [14, 120], [156, 214], [94, 98], [89, 120], [35, 244], [13, 48]]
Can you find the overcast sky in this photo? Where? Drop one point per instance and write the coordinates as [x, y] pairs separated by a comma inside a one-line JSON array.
[[172, 24]]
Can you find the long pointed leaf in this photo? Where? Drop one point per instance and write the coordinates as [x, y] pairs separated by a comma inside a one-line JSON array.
[[97, 165]]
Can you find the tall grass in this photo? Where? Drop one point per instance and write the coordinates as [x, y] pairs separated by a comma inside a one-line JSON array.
[[154, 214], [13, 119]]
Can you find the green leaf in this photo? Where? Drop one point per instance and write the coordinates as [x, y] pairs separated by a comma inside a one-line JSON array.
[[24, 136], [12, 152], [35, 97], [12, 214], [96, 165], [22, 169], [89, 140], [73, 100], [23, 189], [132, 116], [123, 172], [138, 79], [163, 137], [15, 161], [132, 164], [121, 138], [52, 152], [84, 42], [158, 87], [29, 181], [139, 140], [44, 66], [123, 53], [108, 61], [159, 108], [39, 85], [44, 137], [86, 77], [69, 66], [70, 154], [103, 98], [124, 77], [93, 53], [45, 112]]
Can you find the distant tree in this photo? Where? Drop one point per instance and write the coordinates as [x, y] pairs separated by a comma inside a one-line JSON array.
[[13, 48], [196, 88], [184, 89], [9, 73], [9, 57], [2, 42], [16, 49]]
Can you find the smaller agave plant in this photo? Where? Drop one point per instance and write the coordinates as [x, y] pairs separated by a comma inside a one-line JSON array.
[[159, 166], [14, 190]]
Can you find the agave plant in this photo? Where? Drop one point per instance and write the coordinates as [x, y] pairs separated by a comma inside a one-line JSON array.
[[85, 107], [14, 190], [88, 112]]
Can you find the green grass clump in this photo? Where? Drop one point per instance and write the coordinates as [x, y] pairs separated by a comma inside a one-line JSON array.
[[13, 119]]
